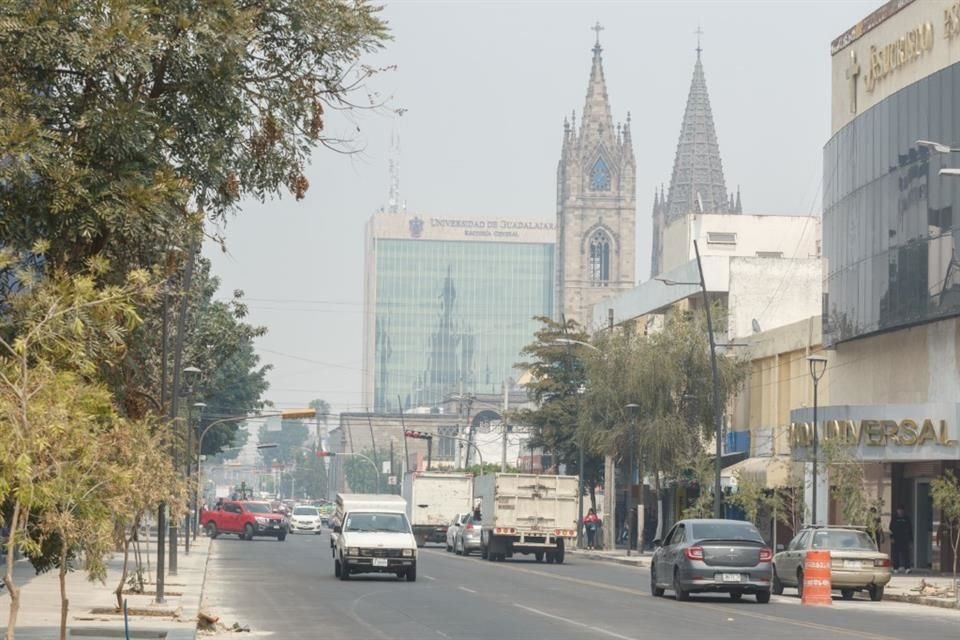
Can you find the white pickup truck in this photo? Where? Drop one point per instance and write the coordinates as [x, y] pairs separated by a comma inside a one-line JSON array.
[[526, 513], [373, 535], [434, 498]]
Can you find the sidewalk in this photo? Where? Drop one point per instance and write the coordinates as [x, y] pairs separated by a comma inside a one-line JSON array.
[[935, 591], [92, 604]]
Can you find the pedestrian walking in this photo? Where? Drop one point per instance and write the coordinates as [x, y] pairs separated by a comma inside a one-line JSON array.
[[591, 522], [901, 536]]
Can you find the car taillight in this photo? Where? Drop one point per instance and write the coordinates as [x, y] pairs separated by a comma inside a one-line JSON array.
[[469, 527], [766, 555], [885, 562], [693, 553]]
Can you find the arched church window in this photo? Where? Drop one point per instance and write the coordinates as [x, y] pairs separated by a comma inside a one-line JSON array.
[[600, 176], [600, 258]]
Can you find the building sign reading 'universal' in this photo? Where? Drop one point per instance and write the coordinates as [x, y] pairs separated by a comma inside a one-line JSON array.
[[875, 433], [886, 59]]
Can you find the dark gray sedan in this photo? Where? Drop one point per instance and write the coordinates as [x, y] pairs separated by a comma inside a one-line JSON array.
[[726, 556]]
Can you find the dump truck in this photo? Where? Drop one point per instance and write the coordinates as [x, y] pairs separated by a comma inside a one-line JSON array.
[[434, 499], [526, 513]]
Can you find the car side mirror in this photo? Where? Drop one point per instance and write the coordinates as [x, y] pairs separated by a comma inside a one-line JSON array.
[[781, 547], [657, 543], [336, 528]]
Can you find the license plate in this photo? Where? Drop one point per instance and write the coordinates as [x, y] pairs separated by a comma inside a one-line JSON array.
[[380, 562], [851, 564], [730, 577]]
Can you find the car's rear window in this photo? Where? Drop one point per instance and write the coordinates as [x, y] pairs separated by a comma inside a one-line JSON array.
[[839, 540], [305, 511], [731, 530]]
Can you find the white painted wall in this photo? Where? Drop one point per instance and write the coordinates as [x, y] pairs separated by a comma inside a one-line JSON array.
[[776, 292], [791, 236]]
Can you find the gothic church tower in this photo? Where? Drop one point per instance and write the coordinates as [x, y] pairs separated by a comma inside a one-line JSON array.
[[596, 204]]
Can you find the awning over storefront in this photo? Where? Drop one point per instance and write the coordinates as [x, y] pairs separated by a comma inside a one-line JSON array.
[[773, 472]]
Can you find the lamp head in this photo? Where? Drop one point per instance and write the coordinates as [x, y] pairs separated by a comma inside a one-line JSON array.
[[191, 375], [818, 366]]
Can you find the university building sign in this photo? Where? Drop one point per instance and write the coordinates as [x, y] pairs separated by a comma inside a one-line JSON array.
[[875, 433]]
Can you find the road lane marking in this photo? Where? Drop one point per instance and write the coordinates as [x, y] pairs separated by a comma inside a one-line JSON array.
[[705, 605], [429, 577], [574, 622], [465, 589]]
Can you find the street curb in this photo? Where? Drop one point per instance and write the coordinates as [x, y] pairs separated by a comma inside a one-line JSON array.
[[921, 600], [203, 584], [642, 562]]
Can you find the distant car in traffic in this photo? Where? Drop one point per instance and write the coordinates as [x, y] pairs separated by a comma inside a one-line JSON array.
[[454, 527], [467, 538], [306, 519], [725, 556], [855, 562]]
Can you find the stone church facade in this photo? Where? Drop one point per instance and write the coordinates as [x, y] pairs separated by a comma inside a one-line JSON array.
[[596, 204]]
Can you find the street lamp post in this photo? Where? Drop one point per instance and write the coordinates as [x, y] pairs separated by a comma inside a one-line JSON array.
[[196, 503], [818, 366], [633, 410], [190, 376], [717, 416], [330, 454]]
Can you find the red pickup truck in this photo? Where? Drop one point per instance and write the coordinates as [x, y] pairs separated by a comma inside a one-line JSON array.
[[246, 519]]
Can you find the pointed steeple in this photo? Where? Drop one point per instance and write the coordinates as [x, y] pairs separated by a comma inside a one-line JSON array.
[[697, 168], [596, 121]]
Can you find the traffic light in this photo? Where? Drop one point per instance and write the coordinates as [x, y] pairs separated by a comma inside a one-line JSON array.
[[298, 413], [419, 435]]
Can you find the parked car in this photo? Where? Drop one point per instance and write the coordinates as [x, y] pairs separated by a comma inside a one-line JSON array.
[[468, 536], [306, 519], [855, 562], [726, 556], [454, 527], [246, 519]]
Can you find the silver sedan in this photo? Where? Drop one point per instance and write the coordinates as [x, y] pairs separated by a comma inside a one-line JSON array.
[[726, 556]]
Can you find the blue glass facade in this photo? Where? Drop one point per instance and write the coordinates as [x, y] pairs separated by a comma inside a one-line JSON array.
[[888, 225], [448, 311]]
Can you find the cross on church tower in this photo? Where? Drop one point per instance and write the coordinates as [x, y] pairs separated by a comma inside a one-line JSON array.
[[698, 33], [598, 28]]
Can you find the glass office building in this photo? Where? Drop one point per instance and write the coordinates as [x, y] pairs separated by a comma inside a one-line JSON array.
[[889, 233], [449, 304]]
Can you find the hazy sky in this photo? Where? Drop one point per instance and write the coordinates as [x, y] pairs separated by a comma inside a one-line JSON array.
[[486, 86]]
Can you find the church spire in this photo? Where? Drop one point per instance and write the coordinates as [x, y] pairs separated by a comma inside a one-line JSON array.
[[697, 184], [596, 120]]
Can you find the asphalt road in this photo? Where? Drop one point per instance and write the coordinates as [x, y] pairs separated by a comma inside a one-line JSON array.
[[287, 590]]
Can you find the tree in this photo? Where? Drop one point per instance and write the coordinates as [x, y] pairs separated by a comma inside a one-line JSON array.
[[666, 374], [847, 479], [555, 361], [123, 128], [54, 334], [945, 492]]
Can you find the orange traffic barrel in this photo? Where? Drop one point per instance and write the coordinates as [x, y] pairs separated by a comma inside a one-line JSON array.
[[817, 587]]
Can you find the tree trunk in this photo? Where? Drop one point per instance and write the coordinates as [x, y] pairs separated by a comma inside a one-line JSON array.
[[12, 589], [123, 568], [64, 603], [593, 496]]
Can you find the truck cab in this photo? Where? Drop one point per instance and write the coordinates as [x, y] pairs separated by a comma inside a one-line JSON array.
[[373, 536]]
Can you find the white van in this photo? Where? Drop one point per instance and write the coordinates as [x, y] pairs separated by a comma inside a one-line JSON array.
[[373, 535]]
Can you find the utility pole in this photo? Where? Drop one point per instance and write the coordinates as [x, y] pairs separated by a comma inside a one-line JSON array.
[[162, 509], [406, 450], [506, 429], [609, 484]]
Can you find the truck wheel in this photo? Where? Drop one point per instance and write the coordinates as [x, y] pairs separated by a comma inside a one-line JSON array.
[[282, 537], [558, 556], [412, 574], [539, 556], [550, 557], [344, 571], [247, 531], [484, 552], [336, 568], [211, 529]]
